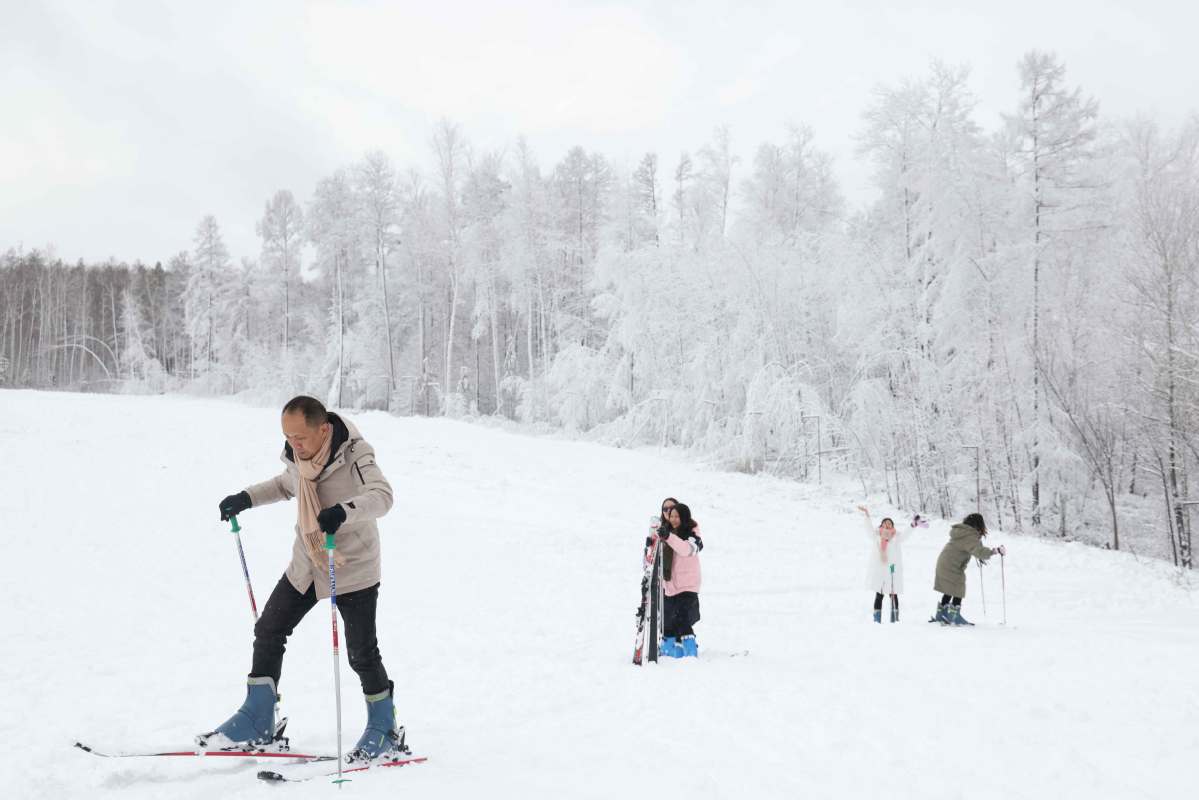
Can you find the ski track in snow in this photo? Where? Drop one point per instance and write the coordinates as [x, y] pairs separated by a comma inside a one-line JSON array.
[[511, 567]]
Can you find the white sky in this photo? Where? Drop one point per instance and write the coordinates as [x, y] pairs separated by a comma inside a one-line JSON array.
[[122, 123]]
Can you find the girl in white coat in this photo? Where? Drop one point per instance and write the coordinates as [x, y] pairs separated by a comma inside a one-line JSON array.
[[884, 571]]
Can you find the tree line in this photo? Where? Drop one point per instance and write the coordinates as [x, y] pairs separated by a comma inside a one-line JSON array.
[[1011, 326]]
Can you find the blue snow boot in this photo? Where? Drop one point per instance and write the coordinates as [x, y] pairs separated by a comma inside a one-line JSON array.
[[381, 737], [956, 618], [878, 616], [942, 614], [690, 647], [253, 723], [670, 647], [894, 613]]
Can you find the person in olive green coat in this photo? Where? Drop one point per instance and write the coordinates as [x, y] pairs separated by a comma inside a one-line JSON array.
[[965, 540]]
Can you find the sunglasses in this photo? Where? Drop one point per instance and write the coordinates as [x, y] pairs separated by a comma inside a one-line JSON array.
[[667, 509]]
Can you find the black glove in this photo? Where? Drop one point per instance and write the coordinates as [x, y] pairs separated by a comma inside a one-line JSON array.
[[663, 533], [234, 504], [330, 519]]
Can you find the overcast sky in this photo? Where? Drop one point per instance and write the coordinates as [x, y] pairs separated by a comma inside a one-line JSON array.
[[122, 123]]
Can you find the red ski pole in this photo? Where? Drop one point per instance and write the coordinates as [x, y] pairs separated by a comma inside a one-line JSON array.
[[236, 529]]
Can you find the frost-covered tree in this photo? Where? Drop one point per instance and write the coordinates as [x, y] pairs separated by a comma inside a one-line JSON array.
[[647, 199], [485, 197], [332, 230], [1055, 132], [379, 206], [281, 229], [450, 149], [206, 294], [1163, 272]]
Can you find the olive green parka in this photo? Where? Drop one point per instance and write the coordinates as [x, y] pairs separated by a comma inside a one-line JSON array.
[[964, 542]]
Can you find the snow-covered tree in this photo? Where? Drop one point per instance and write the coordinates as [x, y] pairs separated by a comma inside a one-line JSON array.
[[282, 232]]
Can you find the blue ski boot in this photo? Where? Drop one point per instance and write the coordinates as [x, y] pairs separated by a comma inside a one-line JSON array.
[[690, 647], [956, 618], [670, 647], [381, 738], [251, 725], [878, 616], [941, 615], [894, 613]]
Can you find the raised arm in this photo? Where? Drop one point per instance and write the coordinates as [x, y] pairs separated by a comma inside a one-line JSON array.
[[870, 527]]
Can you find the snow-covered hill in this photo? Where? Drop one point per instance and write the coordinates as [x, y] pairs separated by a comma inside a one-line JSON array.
[[506, 619]]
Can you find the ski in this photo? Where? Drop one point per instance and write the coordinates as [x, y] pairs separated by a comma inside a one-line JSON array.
[[657, 604], [275, 777], [249, 753], [647, 610]]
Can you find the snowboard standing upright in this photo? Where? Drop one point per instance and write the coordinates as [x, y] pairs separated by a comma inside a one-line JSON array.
[[649, 613]]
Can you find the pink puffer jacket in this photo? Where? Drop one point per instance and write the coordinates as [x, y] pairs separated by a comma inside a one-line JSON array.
[[684, 573]]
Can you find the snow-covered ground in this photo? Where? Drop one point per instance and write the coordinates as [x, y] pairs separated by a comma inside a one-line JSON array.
[[506, 619]]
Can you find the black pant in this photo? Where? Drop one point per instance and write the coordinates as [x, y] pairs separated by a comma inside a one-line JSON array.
[[679, 614], [947, 600], [284, 610]]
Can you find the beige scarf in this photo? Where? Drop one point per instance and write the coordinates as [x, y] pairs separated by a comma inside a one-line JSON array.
[[310, 505]]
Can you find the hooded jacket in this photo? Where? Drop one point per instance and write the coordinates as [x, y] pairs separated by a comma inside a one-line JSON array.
[[353, 480], [964, 542]]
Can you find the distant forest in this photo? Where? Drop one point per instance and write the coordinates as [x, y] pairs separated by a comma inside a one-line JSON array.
[[1013, 326]]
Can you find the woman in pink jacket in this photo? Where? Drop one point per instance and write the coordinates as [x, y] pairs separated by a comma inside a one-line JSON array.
[[680, 575]]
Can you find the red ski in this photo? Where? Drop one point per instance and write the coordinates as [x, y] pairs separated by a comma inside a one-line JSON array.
[[251, 753]]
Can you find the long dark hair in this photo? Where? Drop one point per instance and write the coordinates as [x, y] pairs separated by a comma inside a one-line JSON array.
[[976, 521], [662, 514], [686, 524]]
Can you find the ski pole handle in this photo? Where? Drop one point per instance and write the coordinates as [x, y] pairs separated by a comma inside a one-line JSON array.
[[233, 526]]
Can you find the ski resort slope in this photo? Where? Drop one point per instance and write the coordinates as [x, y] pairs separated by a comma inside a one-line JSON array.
[[511, 571]]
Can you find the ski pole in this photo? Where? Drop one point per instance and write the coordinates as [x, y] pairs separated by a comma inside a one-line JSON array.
[[1003, 584], [894, 599], [236, 529], [330, 546], [982, 585]]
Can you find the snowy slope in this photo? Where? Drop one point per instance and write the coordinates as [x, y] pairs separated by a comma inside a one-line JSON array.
[[510, 580]]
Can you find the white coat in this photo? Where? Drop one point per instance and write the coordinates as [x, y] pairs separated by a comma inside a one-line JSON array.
[[878, 572]]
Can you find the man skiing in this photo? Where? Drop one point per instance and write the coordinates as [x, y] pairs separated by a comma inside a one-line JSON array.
[[332, 472]]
